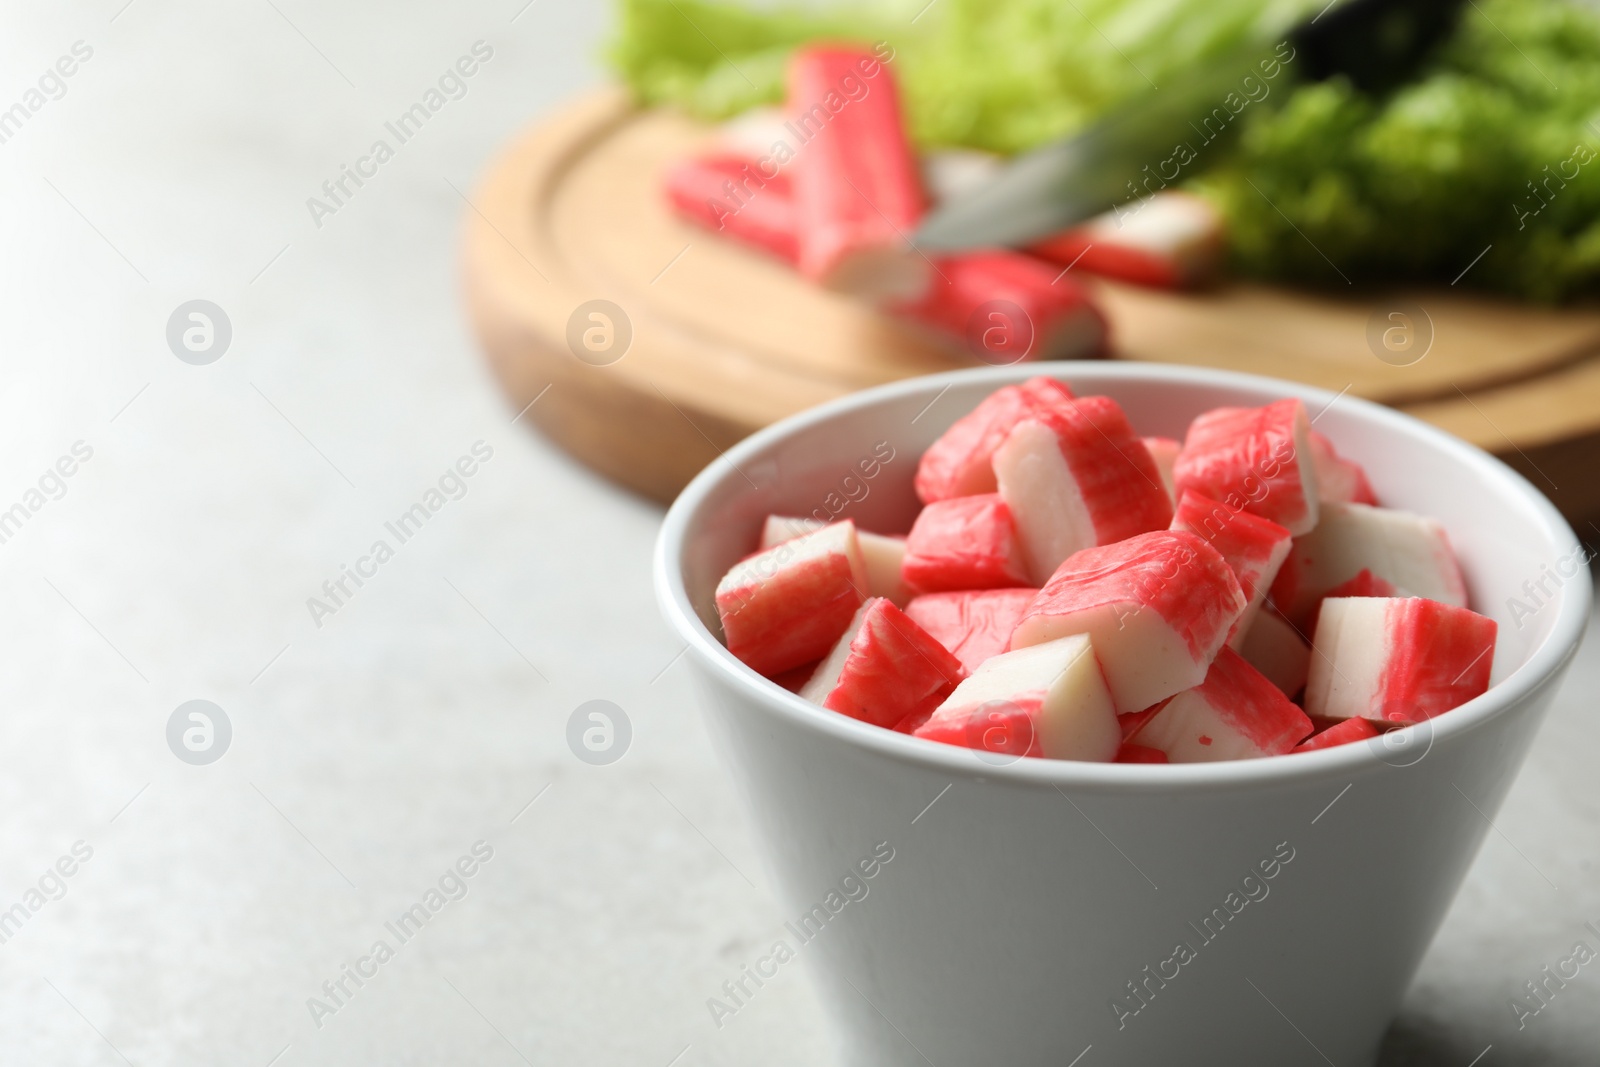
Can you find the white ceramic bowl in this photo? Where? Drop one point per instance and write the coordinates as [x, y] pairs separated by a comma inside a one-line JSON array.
[[1026, 904]]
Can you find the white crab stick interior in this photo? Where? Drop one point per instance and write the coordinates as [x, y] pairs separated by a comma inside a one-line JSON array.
[[1164, 450], [1046, 504], [1049, 699], [1409, 551], [881, 553], [1235, 714]]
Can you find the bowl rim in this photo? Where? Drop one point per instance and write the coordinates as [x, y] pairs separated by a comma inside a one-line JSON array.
[[1543, 664]]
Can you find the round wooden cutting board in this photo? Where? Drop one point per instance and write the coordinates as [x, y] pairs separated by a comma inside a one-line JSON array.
[[703, 341]]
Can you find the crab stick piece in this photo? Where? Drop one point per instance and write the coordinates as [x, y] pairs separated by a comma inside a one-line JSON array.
[[1006, 307], [732, 195], [858, 194], [1167, 241]]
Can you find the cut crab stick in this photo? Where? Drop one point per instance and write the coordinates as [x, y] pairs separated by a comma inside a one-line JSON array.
[[1410, 552], [1393, 659], [731, 194], [1049, 700], [882, 553], [1130, 753], [1076, 477], [1004, 307], [884, 557], [973, 625], [787, 606], [1159, 607], [967, 542], [1339, 481], [884, 670], [1164, 451], [1274, 648], [1254, 459], [1170, 241], [1254, 547], [960, 463], [858, 194], [1344, 733], [1234, 714]]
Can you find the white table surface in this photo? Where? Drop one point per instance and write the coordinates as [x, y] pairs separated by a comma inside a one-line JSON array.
[[370, 753]]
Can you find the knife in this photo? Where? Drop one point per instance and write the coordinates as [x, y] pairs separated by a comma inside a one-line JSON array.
[[1170, 132]]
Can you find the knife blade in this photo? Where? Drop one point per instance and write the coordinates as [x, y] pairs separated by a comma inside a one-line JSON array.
[[1173, 131]]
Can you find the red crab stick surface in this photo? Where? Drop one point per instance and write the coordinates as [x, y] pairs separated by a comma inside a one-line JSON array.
[[730, 194], [1345, 733], [960, 462], [884, 670], [1255, 459], [972, 625], [968, 542], [1397, 659], [858, 193], [1158, 607], [785, 607], [1008, 307], [1254, 547]]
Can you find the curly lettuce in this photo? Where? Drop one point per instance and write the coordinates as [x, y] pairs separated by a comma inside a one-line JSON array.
[[1495, 148]]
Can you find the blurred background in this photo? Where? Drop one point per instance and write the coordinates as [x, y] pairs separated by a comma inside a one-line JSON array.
[[181, 515]]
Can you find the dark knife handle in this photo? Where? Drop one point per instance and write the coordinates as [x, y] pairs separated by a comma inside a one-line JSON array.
[[1377, 44]]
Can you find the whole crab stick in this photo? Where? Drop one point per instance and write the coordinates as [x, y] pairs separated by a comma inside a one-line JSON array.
[[731, 194], [858, 193]]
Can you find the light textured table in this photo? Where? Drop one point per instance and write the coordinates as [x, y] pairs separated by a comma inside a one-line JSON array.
[[429, 708]]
